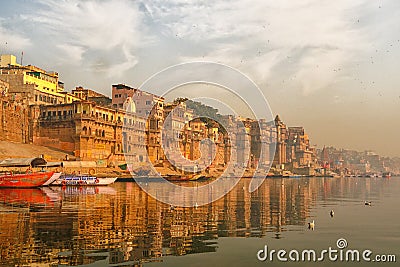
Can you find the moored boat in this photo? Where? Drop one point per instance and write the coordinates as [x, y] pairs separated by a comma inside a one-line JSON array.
[[83, 180], [176, 178], [183, 178], [24, 180], [27, 179], [386, 175]]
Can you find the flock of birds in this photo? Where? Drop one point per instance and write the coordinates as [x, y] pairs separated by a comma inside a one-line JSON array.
[[311, 225]]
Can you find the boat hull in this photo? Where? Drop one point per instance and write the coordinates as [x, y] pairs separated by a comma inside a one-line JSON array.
[[27, 180]]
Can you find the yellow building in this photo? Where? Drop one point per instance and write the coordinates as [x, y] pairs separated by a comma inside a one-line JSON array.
[[37, 85]]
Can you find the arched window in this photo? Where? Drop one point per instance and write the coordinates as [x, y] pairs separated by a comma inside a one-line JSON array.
[[84, 130], [103, 134]]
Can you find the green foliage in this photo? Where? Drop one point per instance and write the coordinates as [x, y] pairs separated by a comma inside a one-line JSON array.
[[207, 114]]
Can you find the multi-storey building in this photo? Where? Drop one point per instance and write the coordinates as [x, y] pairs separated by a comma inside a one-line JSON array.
[[262, 142], [149, 106], [281, 137], [91, 131], [298, 147], [243, 142], [91, 95], [35, 84]]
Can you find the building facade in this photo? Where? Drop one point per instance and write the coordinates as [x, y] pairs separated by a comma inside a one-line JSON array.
[[33, 83], [148, 106], [93, 132]]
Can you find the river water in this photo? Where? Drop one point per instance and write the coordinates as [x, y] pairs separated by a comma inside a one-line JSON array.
[[120, 225]]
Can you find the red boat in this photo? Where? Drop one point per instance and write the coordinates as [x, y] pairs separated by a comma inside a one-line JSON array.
[[24, 180]]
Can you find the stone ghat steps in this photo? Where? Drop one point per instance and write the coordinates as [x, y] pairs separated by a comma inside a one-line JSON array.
[[17, 150]]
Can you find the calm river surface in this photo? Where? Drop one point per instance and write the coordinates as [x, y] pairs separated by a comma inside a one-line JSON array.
[[120, 225]]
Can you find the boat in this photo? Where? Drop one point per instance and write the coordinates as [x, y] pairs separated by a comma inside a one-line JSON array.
[[386, 175], [27, 179], [180, 178], [176, 178], [24, 180], [83, 180], [198, 177]]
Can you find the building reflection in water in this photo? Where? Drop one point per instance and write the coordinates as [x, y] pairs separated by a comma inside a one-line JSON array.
[[122, 224]]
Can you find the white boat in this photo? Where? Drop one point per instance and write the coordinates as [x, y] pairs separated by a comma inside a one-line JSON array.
[[54, 177], [83, 180]]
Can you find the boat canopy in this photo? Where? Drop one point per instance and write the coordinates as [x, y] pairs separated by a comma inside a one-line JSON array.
[[79, 164], [52, 164], [22, 162]]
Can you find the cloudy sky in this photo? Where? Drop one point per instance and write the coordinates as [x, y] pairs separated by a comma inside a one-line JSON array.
[[330, 66]]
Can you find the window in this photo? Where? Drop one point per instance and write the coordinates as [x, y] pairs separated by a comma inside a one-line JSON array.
[[148, 102]]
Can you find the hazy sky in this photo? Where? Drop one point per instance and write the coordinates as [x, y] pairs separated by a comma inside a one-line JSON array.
[[330, 66]]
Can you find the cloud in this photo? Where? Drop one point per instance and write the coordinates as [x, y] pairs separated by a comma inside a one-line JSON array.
[[306, 40], [92, 33], [293, 44], [11, 41], [71, 53]]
